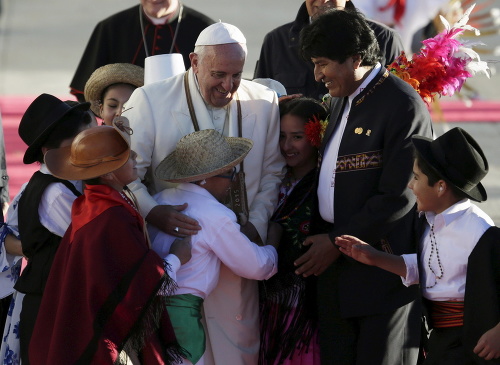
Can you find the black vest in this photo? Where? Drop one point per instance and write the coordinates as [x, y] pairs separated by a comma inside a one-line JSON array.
[[38, 243]]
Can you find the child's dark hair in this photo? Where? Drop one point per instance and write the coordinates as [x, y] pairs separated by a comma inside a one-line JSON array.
[[433, 176], [304, 108], [69, 126]]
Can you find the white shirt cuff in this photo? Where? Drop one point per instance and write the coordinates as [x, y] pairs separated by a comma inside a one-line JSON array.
[[175, 264], [411, 262]]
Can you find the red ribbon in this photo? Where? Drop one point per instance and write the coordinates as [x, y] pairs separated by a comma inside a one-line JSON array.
[[400, 6]]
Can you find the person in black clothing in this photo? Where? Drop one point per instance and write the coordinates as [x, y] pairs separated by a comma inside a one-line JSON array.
[[45, 204], [280, 59], [365, 316], [144, 30]]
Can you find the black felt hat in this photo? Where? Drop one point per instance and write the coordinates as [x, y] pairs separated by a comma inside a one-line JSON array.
[[41, 117], [458, 159]]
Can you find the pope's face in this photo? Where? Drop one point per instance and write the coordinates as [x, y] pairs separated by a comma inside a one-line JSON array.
[[159, 8], [218, 70]]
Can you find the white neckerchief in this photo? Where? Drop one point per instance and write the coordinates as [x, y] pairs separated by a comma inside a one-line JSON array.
[[326, 185]]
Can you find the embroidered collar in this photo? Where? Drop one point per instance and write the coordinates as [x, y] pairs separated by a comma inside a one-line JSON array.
[[364, 93]]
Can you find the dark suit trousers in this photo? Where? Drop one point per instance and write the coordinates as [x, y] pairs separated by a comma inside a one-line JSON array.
[[384, 339], [445, 348]]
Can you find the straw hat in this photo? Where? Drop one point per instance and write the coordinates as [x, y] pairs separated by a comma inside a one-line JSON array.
[[41, 118], [458, 159], [107, 75], [202, 154], [94, 152]]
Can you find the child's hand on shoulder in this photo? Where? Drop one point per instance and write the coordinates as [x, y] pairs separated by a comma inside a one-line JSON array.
[[488, 346], [357, 249], [182, 249]]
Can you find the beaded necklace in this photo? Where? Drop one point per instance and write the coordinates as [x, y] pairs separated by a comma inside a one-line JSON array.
[[434, 246], [130, 202]]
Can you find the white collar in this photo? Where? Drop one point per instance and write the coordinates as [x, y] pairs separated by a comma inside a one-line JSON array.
[[366, 81], [45, 170], [449, 215]]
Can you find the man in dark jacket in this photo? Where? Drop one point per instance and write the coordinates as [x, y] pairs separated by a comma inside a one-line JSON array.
[[280, 59], [143, 30], [366, 317]]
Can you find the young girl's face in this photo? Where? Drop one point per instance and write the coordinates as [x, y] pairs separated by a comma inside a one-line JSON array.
[[299, 154], [427, 196], [113, 100]]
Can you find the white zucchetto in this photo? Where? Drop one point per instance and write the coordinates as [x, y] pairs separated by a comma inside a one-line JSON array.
[[220, 33]]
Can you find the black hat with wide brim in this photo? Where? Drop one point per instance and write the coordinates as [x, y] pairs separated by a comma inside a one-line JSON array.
[[458, 159], [41, 117]]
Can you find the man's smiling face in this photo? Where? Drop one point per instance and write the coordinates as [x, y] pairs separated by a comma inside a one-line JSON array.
[[218, 70]]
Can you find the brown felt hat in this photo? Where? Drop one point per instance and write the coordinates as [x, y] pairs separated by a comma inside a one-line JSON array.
[[201, 155], [94, 152], [107, 75]]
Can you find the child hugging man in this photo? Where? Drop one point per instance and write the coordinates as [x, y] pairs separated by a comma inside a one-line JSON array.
[[105, 293], [458, 259]]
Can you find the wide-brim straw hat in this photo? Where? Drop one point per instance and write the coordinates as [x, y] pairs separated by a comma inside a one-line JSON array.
[[107, 75], [458, 159], [94, 152], [42, 116], [202, 154]]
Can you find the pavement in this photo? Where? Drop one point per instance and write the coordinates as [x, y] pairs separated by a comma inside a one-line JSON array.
[[41, 43]]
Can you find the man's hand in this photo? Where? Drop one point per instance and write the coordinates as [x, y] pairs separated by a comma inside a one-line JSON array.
[[250, 231], [357, 249], [488, 346], [182, 249], [168, 219], [288, 97], [319, 256]]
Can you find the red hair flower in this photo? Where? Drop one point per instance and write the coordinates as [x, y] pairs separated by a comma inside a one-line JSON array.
[[315, 130]]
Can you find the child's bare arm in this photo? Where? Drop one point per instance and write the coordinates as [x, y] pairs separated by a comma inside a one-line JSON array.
[[13, 245], [488, 346], [366, 254]]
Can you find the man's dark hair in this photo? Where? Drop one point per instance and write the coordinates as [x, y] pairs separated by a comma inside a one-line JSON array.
[[338, 35]]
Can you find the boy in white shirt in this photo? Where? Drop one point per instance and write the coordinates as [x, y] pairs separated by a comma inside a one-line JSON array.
[[458, 264], [204, 165]]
